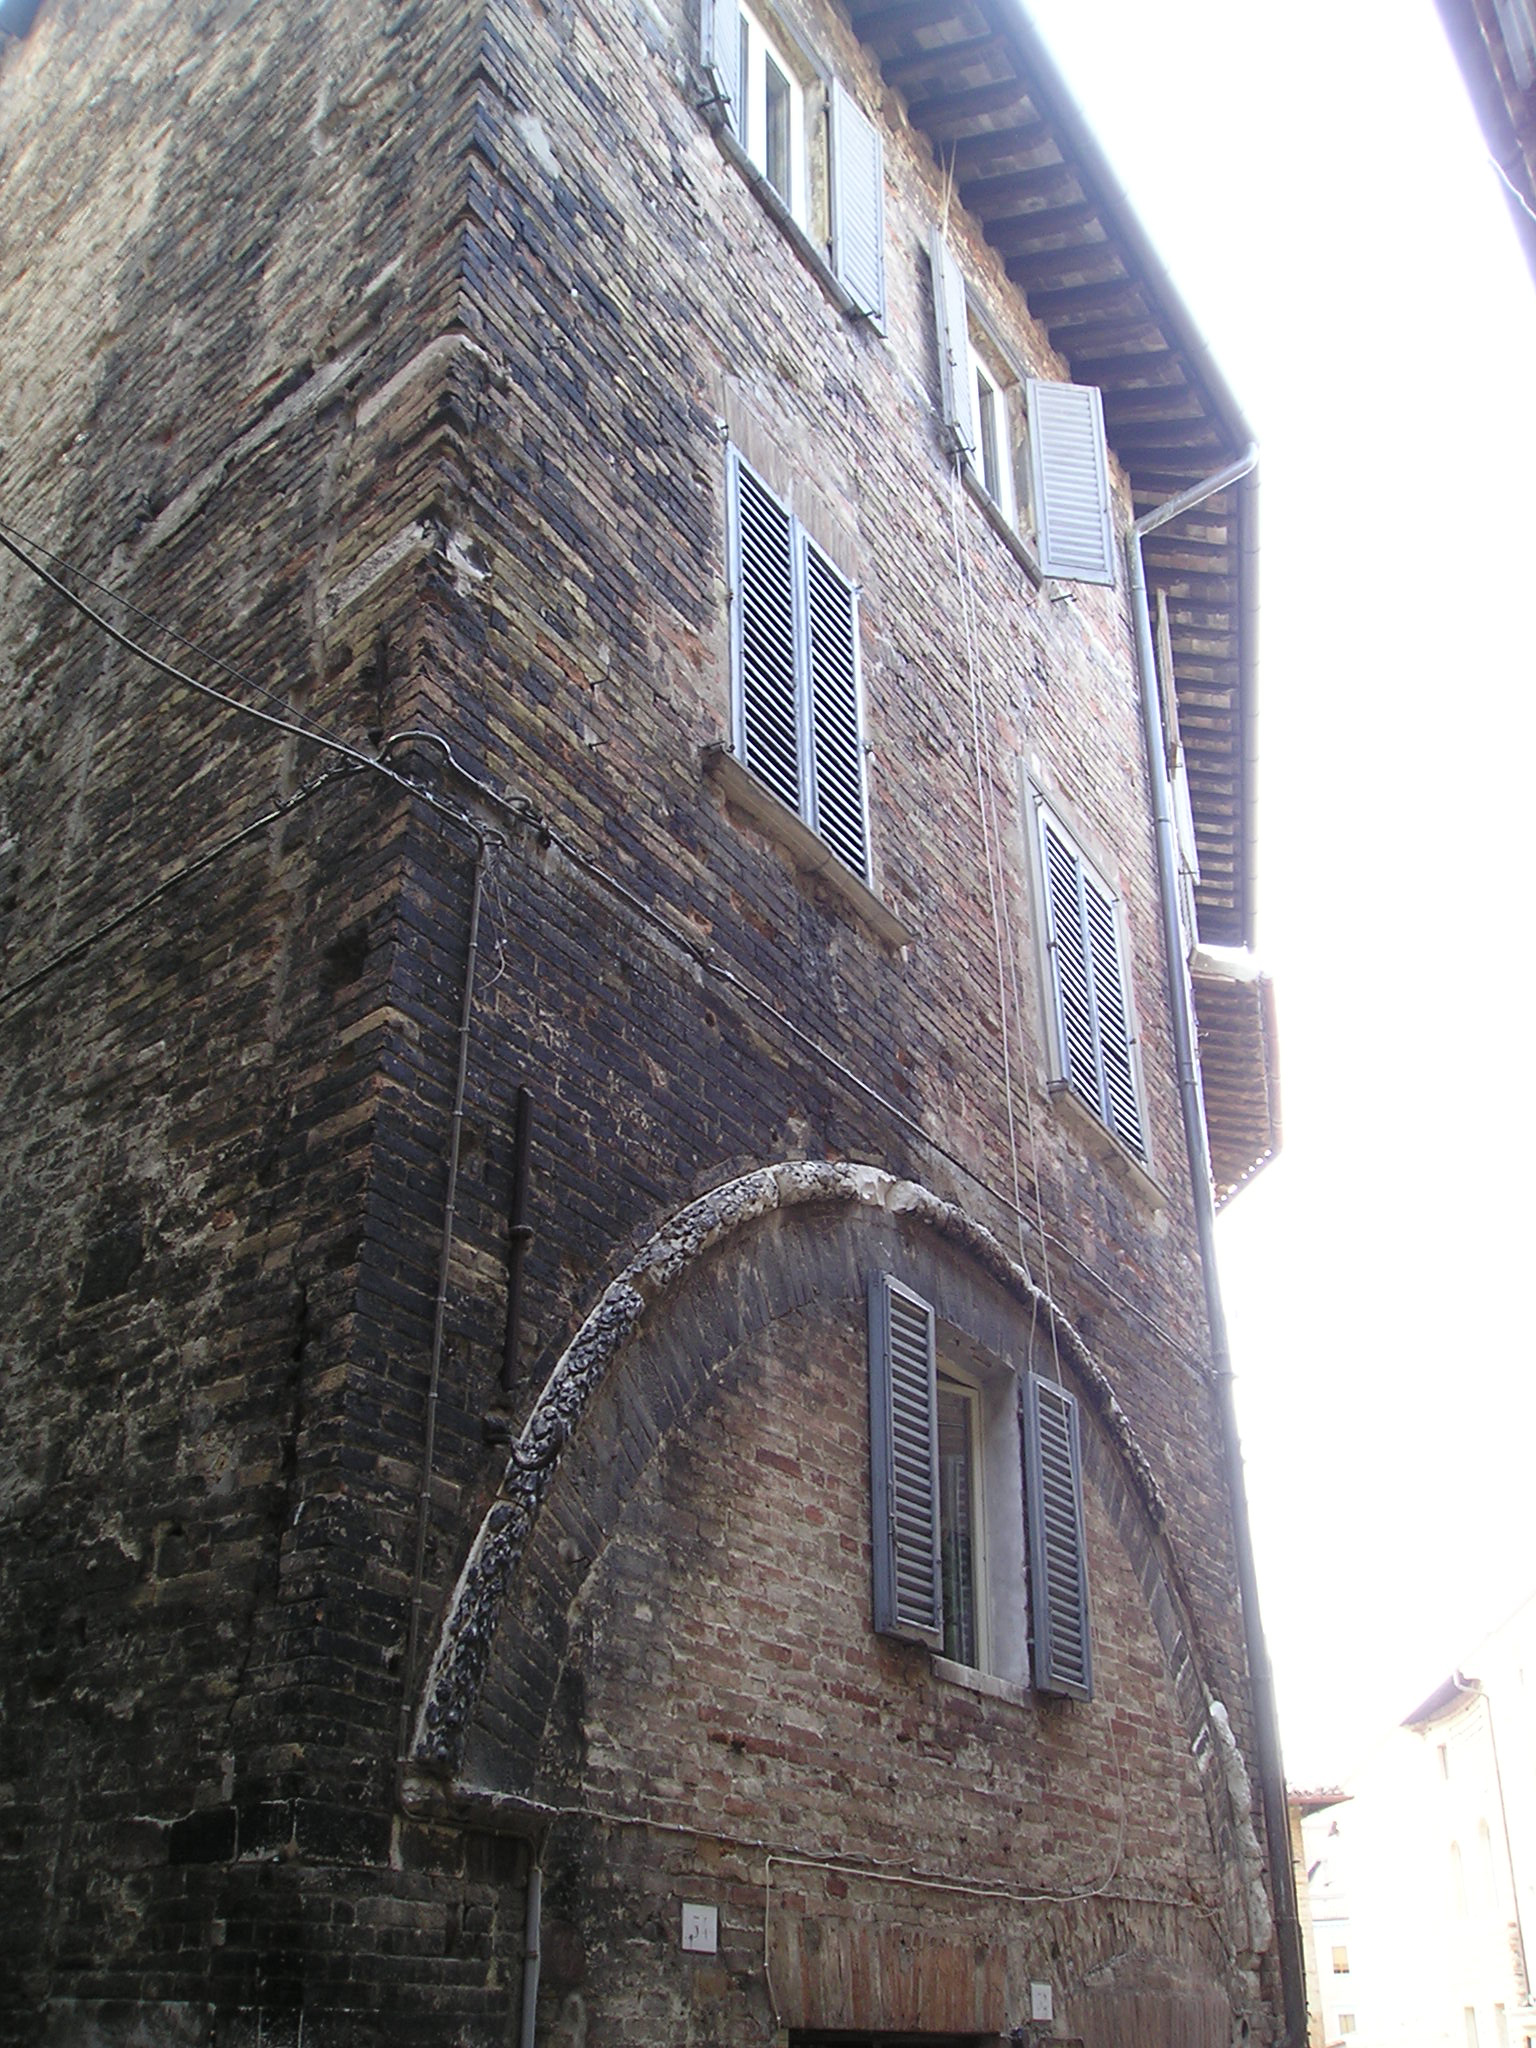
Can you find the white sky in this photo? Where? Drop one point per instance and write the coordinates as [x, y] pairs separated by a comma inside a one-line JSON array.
[[1312, 175]]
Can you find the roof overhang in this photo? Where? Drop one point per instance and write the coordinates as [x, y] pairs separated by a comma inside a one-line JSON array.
[[1239, 1071], [980, 84], [1447, 1698]]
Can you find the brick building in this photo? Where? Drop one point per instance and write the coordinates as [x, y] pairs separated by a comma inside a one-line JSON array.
[[626, 909]]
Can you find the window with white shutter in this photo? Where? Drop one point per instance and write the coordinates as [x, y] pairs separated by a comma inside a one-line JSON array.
[[1089, 988], [795, 669], [1069, 467], [1034, 451], [858, 206], [819, 156], [1058, 1573]]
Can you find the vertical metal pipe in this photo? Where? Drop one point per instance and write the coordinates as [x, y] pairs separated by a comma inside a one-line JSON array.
[[532, 1927], [519, 1233], [1266, 1720], [1509, 1847]]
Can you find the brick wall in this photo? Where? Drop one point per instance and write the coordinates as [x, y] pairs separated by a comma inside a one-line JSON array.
[[390, 356]]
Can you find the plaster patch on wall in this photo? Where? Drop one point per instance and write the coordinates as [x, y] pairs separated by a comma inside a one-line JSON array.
[[535, 139], [1248, 1882]]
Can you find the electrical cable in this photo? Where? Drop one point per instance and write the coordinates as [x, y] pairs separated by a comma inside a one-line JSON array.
[[1002, 922], [520, 810], [77, 949], [1513, 189], [161, 626], [376, 763]]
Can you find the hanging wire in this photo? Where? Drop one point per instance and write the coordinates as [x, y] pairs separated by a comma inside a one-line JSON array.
[[1002, 923], [520, 810]]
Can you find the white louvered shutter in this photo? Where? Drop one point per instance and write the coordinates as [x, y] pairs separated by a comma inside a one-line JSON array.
[[904, 1474], [1091, 988], [858, 206], [764, 635], [720, 37], [1072, 971], [954, 340], [1070, 470], [1111, 1009], [1058, 1570], [837, 750]]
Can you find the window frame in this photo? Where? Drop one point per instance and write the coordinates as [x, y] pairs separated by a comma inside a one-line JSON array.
[[1052, 500], [834, 213], [1119, 1086], [759, 49], [830, 750], [913, 1364]]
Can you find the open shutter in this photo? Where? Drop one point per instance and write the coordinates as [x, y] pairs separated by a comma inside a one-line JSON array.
[[904, 1473], [858, 206], [720, 37], [1111, 1009], [1058, 1574], [763, 635], [837, 749], [1074, 529], [954, 338]]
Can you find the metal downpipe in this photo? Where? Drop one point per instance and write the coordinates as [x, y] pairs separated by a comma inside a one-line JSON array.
[[1192, 1107]]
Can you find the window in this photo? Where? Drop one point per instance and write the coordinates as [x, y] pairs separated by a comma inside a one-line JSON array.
[[1341, 1962], [961, 1560], [1033, 449], [771, 113], [1094, 1048], [1346, 2023], [795, 669], [946, 1474], [785, 121]]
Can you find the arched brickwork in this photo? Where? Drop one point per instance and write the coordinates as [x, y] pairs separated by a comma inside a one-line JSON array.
[[651, 1359]]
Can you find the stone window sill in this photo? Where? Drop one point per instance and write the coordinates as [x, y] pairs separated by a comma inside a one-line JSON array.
[[1104, 1145], [962, 1675], [1009, 534], [812, 856]]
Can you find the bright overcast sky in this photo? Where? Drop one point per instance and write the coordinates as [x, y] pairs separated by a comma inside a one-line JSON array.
[[1312, 175]]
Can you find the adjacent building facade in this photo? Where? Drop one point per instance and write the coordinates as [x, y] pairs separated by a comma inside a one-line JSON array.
[[1422, 1882], [626, 876]]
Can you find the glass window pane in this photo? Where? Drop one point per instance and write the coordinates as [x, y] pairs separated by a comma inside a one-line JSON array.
[[957, 1522], [776, 156]]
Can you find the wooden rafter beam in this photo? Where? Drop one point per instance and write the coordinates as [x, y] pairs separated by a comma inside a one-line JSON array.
[[904, 17], [1012, 190], [942, 115], [1088, 263], [945, 58], [1026, 231]]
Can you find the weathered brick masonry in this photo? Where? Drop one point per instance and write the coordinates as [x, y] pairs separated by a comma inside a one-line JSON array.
[[390, 355]]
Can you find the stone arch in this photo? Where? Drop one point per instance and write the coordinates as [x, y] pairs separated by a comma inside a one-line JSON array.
[[584, 1380]]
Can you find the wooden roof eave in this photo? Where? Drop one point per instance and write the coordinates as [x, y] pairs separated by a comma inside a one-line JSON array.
[[1240, 1077], [985, 90]]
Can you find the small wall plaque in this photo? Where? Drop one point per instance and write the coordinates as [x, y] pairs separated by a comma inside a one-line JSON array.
[[701, 1929]]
